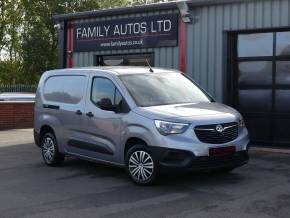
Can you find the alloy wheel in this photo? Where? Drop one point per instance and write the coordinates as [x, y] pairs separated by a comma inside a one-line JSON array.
[[141, 166], [48, 149]]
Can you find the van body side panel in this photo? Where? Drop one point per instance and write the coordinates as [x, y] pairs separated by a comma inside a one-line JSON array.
[[136, 126], [71, 114], [59, 97], [38, 107]]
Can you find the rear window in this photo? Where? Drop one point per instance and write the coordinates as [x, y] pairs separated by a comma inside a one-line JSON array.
[[64, 89]]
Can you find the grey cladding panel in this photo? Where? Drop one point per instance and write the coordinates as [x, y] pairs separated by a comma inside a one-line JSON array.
[[205, 38], [206, 50]]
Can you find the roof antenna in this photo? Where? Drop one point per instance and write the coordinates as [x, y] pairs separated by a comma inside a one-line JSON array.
[[150, 68]]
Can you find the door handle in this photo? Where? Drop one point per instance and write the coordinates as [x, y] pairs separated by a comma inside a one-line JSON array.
[[90, 114], [78, 112]]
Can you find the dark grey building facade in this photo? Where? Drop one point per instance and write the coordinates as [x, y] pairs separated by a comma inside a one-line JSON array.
[[238, 50]]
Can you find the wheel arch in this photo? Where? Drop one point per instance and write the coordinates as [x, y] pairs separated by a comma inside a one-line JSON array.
[[130, 142], [55, 131], [45, 129]]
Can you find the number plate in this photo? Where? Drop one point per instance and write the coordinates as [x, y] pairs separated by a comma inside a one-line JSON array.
[[222, 150]]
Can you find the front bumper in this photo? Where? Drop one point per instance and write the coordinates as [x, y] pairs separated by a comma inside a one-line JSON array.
[[173, 159]]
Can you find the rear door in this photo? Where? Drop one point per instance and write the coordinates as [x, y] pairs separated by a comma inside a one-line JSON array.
[[65, 98]]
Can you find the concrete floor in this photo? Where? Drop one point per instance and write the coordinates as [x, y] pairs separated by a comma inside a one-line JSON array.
[[78, 188], [16, 136]]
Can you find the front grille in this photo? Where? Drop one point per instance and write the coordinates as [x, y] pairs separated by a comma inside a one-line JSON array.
[[209, 133]]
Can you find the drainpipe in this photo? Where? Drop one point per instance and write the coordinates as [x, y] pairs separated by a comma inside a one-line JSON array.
[[185, 18], [70, 45], [62, 43], [182, 63]]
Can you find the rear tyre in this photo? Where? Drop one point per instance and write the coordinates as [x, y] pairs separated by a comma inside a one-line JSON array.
[[141, 166], [49, 150]]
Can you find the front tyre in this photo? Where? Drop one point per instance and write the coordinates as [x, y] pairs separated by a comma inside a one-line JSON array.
[[141, 166], [49, 150]]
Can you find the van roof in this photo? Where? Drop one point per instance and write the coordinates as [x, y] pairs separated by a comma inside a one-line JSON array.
[[118, 70]]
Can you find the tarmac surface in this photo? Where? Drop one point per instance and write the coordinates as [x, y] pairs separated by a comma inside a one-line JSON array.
[[28, 188]]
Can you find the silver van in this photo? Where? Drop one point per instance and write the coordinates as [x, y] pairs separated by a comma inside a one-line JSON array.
[[147, 120]]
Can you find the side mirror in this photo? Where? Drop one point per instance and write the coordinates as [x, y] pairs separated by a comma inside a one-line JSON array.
[[106, 104]]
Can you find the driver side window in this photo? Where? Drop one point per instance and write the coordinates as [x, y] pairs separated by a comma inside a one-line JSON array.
[[103, 88]]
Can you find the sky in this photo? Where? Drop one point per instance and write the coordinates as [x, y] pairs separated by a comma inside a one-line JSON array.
[[3, 53]]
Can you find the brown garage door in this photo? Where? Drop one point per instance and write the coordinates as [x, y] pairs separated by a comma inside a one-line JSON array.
[[260, 65]]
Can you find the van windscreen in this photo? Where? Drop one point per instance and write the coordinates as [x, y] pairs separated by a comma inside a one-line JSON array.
[[162, 89]]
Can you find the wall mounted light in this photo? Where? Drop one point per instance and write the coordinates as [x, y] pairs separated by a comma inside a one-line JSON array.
[[184, 11], [57, 26]]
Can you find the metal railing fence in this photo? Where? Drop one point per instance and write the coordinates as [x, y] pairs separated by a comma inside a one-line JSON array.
[[18, 88]]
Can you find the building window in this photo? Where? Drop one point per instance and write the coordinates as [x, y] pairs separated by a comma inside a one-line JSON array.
[[260, 63], [125, 60], [256, 44], [283, 43]]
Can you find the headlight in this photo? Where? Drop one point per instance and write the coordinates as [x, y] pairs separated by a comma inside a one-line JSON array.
[[166, 128], [241, 123]]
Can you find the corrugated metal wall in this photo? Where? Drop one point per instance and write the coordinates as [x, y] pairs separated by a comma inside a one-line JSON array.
[[164, 57], [205, 50], [205, 38]]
